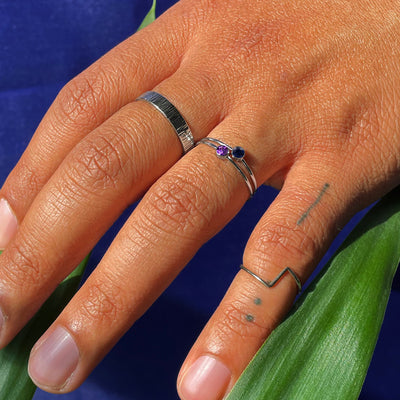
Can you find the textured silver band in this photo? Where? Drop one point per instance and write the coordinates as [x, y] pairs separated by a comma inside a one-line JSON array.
[[174, 117], [225, 151], [269, 284]]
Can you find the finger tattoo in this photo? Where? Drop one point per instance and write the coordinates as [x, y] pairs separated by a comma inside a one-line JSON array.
[[257, 301], [249, 318], [318, 199]]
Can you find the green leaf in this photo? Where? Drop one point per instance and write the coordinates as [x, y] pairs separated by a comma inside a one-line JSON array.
[[324, 347], [14, 379], [150, 17]]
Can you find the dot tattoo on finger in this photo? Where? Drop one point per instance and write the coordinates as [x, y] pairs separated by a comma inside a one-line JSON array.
[[250, 318], [257, 301]]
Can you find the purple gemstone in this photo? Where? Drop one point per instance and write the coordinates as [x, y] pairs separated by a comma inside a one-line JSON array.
[[222, 151]]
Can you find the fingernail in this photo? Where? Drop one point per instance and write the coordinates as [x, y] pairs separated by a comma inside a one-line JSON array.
[[56, 358], [206, 379], [8, 224]]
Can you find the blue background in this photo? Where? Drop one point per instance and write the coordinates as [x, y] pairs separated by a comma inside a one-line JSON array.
[[45, 43]]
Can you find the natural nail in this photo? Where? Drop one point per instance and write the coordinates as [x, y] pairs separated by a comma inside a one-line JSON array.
[[8, 224], [55, 359], [206, 379]]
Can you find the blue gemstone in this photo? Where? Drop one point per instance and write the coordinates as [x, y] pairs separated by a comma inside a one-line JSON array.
[[238, 152]]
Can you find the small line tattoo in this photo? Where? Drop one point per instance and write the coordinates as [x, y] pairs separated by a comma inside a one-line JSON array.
[[257, 301], [318, 199], [249, 318]]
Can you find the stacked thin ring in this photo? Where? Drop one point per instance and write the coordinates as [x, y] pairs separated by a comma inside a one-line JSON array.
[[236, 156]]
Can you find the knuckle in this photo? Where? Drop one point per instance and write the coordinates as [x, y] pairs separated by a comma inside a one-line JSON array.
[[103, 302], [31, 178], [371, 146], [101, 163], [353, 125], [206, 78], [179, 205], [24, 182], [23, 267], [81, 97], [196, 14], [235, 323], [284, 242]]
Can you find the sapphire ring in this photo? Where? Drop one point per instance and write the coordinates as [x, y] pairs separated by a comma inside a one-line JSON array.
[[236, 156], [163, 105]]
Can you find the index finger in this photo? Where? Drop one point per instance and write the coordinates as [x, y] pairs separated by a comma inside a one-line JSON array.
[[138, 64]]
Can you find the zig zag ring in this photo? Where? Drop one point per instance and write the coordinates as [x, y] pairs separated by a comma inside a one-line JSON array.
[[269, 284]]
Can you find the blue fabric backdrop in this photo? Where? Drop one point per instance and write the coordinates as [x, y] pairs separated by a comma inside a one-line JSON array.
[[45, 43]]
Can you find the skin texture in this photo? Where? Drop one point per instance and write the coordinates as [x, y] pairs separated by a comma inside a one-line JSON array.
[[310, 91]]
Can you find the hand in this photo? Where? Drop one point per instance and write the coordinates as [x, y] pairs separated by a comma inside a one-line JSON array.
[[310, 92]]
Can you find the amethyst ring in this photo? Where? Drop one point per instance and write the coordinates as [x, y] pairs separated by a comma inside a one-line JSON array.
[[166, 108], [236, 156]]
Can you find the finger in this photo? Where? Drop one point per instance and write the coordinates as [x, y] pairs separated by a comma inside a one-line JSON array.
[[108, 170], [294, 232], [181, 211], [136, 65]]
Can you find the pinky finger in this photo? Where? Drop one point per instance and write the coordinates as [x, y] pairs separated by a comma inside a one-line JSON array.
[[294, 232]]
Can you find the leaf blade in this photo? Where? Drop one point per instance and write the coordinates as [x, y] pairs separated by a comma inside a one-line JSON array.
[[325, 345], [15, 382], [150, 16]]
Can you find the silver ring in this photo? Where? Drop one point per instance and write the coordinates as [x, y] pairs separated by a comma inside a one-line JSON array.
[[236, 156], [269, 284], [174, 117]]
